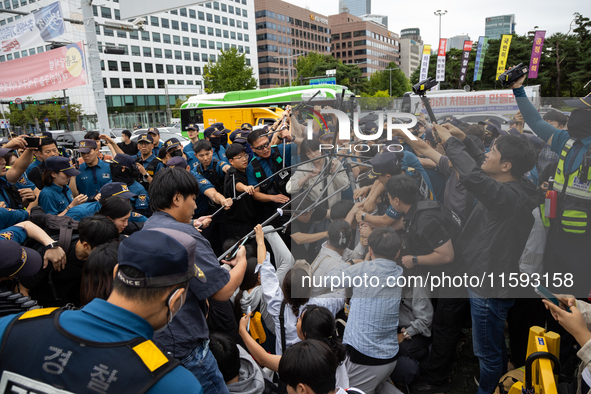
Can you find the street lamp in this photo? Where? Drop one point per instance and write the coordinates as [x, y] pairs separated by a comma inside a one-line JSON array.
[[390, 69], [289, 64], [440, 14]]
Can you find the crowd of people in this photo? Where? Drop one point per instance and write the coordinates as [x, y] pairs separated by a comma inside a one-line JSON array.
[[221, 266]]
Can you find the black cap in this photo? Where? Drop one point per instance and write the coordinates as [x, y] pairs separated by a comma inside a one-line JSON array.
[[61, 164], [211, 131], [246, 126], [87, 145], [153, 130], [178, 161], [193, 126], [383, 163], [240, 136], [165, 256], [17, 260], [583, 103], [145, 138], [124, 160], [172, 143], [116, 189]]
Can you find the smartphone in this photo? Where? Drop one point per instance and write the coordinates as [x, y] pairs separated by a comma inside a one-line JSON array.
[[548, 295], [248, 313], [238, 247], [33, 142]]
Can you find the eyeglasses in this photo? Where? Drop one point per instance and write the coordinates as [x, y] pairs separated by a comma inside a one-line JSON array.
[[241, 157], [264, 146]]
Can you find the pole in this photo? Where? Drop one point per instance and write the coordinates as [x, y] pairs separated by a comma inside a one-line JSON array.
[[67, 105], [94, 63], [168, 111], [390, 82], [289, 70]]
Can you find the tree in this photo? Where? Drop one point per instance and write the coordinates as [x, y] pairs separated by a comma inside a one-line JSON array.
[[230, 73], [176, 113], [315, 65], [54, 112], [380, 81]]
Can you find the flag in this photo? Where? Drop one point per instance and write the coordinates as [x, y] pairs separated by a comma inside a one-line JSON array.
[[503, 53], [465, 60], [536, 54], [440, 72], [479, 65], [425, 62]]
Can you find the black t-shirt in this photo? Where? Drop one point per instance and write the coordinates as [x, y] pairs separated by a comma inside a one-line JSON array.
[[243, 211], [129, 149], [35, 175]]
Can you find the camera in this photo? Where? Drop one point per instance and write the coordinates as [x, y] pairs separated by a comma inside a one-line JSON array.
[[513, 74], [422, 87], [33, 142]]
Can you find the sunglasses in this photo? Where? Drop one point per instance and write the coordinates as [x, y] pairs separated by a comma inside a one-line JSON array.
[[264, 146]]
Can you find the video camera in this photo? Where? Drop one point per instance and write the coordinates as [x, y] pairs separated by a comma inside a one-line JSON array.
[[511, 75], [422, 87]]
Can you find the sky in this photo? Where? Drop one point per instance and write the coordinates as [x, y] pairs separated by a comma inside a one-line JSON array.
[[465, 17]]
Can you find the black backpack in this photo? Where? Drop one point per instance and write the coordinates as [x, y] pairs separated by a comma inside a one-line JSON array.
[[60, 228]]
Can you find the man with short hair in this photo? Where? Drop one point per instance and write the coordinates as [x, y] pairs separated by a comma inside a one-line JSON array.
[[493, 237], [172, 198], [146, 296], [148, 163], [371, 332], [213, 135], [155, 133], [47, 149], [128, 146], [94, 173]]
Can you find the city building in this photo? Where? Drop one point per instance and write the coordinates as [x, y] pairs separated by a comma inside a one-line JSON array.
[[284, 32], [165, 59], [410, 55], [355, 7], [382, 19], [496, 26], [363, 42], [412, 33], [457, 42]]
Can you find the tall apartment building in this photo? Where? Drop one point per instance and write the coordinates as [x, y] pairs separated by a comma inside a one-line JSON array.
[[369, 44], [284, 32], [355, 7], [457, 42], [496, 26], [171, 51], [410, 55], [413, 33]]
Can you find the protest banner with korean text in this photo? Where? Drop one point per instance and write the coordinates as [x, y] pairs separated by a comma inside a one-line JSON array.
[[503, 54], [440, 73], [536, 54], [58, 69], [425, 62], [465, 60]]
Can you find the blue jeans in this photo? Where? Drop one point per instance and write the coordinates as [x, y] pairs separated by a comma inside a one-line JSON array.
[[488, 326], [203, 365]]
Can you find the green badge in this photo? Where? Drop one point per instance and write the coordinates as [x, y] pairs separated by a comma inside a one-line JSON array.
[[257, 174], [279, 160]]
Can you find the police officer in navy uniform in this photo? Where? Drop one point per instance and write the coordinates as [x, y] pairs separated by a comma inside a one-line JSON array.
[[94, 173], [213, 135], [155, 133], [241, 136], [148, 163], [106, 346]]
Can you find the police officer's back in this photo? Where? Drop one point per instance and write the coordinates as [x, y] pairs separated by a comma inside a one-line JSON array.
[[106, 346]]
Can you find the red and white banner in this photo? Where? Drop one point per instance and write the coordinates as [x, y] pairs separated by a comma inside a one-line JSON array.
[[440, 72], [465, 60], [58, 69]]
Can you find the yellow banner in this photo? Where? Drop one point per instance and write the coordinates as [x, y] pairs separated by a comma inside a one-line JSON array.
[[503, 53], [426, 49]]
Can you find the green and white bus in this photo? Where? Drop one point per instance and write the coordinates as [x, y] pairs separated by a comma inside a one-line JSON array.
[[197, 108]]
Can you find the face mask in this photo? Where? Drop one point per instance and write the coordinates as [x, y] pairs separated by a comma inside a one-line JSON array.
[[579, 124], [176, 153], [215, 142], [171, 315]]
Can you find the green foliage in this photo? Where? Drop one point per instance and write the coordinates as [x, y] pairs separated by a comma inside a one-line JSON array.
[[230, 73], [176, 113], [565, 66], [375, 102], [57, 116], [380, 81], [316, 64]]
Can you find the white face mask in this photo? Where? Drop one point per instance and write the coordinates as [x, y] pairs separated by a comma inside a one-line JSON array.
[[171, 316]]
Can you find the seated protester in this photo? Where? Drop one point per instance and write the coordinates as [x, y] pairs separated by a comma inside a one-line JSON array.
[[27, 189], [47, 149], [59, 286], [193, 135], [97, 273], [128, 146], [243, 214], [315, 322], [308, 367], [433, 248], [145, 298], [148, 163], [213, 135], [307, 175], [241, 373], [241, 136], [414, 332], [15, 192], [172, 199], [334, 254], [124, 170], [94, 173], [308, 230], [118, 210], [56, 197], [282, 303], [370, 333], [251, 292], [20, 232]]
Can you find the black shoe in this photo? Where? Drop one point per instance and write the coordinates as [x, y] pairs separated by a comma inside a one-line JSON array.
[[421, 387]]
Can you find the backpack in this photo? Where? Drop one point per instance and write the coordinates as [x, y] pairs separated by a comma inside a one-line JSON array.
[[60, 228]]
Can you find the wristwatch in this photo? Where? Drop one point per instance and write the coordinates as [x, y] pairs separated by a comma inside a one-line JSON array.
[[415, 260], [363, 216], [51, 245]]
